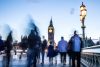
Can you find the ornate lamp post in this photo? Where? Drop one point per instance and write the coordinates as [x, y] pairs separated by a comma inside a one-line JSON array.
[[83, 12]]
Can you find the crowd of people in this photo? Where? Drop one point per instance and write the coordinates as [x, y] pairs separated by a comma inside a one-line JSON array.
[[36, 46]]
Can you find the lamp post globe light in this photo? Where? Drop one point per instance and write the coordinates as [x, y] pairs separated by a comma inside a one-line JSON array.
[[83, 12]]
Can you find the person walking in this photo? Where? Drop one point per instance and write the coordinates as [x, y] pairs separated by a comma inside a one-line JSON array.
[[8, 45], [43, 47], [76, 43], [1, 45], [50, 52], [62, 47], [34, 42], [69, 51]]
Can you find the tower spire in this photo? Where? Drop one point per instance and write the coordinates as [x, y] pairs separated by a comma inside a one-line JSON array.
[[51, 32], [51, 23]]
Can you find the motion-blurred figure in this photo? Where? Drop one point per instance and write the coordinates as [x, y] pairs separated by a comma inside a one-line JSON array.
[[8, 45], [1, 45], [62, 47], [34, 42], [43, 47], [50, 53]]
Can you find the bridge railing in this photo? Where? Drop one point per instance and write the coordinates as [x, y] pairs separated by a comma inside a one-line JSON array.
[[91, 56]]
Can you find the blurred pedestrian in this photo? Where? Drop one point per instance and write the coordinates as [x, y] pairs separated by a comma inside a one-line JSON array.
[[34, 41], [43, 47], [1, 44], [50, 53], [55, 53], [8, 44], [62, 47], [76, 43], [69, 51]]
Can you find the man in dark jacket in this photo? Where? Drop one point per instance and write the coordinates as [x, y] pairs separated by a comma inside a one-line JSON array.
[[34, 41], [8, 44], [1, 44], [44, 46]]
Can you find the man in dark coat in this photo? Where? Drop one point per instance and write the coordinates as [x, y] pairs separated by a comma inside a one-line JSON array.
[[1, 44], [8, 44], [44, 46], [34, 42]]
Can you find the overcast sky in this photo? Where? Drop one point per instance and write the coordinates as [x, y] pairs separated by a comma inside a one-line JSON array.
[[15, 14]]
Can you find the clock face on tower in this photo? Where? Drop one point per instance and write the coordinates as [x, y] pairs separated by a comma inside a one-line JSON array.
[[50, 31]]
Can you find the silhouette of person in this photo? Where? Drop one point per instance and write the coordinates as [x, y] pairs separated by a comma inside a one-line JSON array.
[[76, 43], [8, 44], [70, 52], [1, 44], [62, 47], [55, 53], [34, 41], [50, 52], [44, 46]]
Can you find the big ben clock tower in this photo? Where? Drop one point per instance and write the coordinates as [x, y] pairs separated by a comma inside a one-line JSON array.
[[51, 32]]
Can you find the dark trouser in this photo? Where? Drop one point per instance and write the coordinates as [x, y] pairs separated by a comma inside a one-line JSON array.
[[77, 56], [34, 60], [35, 57], [29, 57], [32, 57], [8, 59], [43, 54], [70, 58], [63, 57]]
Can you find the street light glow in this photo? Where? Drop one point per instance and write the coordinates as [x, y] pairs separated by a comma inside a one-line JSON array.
[[83, 11]]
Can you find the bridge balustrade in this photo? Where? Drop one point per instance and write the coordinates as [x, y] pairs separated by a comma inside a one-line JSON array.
[[90, 56]]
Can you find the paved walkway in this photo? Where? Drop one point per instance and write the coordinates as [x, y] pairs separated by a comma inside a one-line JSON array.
[[16, 62]]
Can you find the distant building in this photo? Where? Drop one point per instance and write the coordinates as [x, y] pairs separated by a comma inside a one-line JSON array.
[[98, 43], [89, 42], [15, 45], [51, 32]]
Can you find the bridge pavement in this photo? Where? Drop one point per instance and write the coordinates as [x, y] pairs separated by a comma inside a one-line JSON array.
[[16, 62]]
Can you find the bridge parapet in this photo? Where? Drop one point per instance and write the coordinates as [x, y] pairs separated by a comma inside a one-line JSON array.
[[91, 56]]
